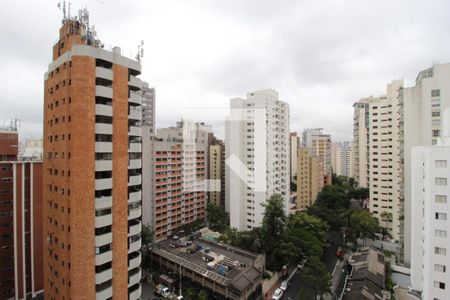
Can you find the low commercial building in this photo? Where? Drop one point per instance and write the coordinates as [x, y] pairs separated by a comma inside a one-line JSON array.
[[229, 272], [367, 276]]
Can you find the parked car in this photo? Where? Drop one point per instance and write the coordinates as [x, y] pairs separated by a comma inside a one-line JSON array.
[[284, 285], [277, 294], [339, 252]]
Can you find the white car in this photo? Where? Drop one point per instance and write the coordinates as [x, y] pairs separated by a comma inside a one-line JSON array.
[[284, 285], [277, 294]]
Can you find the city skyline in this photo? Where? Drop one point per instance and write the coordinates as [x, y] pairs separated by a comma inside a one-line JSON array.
[[246, 46]]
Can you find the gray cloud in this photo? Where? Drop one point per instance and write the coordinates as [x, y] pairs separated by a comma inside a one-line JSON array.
[[320, 55]]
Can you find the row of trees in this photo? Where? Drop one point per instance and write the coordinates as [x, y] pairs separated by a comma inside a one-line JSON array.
[[333, 206]]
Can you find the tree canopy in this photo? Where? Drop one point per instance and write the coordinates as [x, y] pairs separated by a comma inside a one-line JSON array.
[[217, 218]]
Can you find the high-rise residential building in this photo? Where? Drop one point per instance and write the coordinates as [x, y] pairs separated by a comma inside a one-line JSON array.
[[377, 140], [148, 107], [294, 144], [319, 145], [257, 148], [307, 135], [216, 165], [92, 168], [310, 179], [21, 245], [178, 196], [31, 149], [341, 158], [385, 179], [430, 209], [360, 144], [423, 106]]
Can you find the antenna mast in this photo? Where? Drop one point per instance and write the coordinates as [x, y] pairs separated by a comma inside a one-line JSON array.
[[63, 8], [140, 53]]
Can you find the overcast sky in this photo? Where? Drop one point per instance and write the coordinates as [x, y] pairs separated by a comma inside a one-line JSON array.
[[321, 56]]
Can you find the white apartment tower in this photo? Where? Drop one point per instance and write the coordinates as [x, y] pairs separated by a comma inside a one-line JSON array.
[[341, 158], [360, 145], [385, 179], [423, 105], [257, 155], [430, 192], [294, 144]]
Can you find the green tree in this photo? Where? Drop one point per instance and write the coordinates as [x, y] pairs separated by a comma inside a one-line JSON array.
[[217, 218], [203, 295], [190, 294], [363, 225], [316, 278], [273, 224], [146, 235]]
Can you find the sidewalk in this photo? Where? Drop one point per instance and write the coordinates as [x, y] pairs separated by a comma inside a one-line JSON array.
[[335, 278], [271, 285]]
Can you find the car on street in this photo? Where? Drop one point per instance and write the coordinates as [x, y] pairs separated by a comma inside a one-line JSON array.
[[284, 285], [277, 294]]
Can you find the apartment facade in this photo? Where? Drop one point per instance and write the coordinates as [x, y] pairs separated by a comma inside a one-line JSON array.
[[310, 179], [257, 147], [386, 176], [430, 209], [179, 167], [360, 144], [423, 107], [294, 144], [341, 158], [216, 165], [92, 169], [21, 246]]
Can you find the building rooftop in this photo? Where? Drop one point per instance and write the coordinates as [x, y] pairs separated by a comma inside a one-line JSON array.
[[224, 264], [367, 278]]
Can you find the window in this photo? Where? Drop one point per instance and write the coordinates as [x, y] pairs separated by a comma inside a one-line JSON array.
[[440, 199], [435, 93], [440, 251], [436, 122], [440, 233], [436, 103], [440, 216], [435, 113], [440, 181], [440, 164], [439, 268], [439, 285]]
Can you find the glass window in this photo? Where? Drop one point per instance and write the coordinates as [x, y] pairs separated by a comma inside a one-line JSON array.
[[435, 93], [440, 181], [440, 216], [440, 198], [440, 163], [440, 233], [440, 251]]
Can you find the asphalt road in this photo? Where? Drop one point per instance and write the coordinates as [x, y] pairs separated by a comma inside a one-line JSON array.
[[329, 258]]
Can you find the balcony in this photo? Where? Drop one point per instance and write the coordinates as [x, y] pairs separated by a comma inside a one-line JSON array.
[[103, 258], [103, 110], [103, 91], [101, 72], [135, 147], [135, 164], [134, 228], [135, 131], [134, 98], [102, 221], [135, 294], [134, 197], [103, 239], [135, 114], [103, 128], [103, 165], [104, 294], [103, 276], [134, 276], [103, 147], [135, 246], [134, 213], [135, 82], [103, 202], [103, 184], [135, 261], [134, 180]]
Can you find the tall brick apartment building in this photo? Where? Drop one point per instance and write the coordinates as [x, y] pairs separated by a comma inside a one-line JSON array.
[[92, 169], [20, 221]]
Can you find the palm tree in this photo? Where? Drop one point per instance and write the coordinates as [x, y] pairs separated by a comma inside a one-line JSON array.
[[387, 218]]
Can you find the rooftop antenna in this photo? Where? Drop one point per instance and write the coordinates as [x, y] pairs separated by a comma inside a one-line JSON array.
[[63, 8], [140, 53]]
